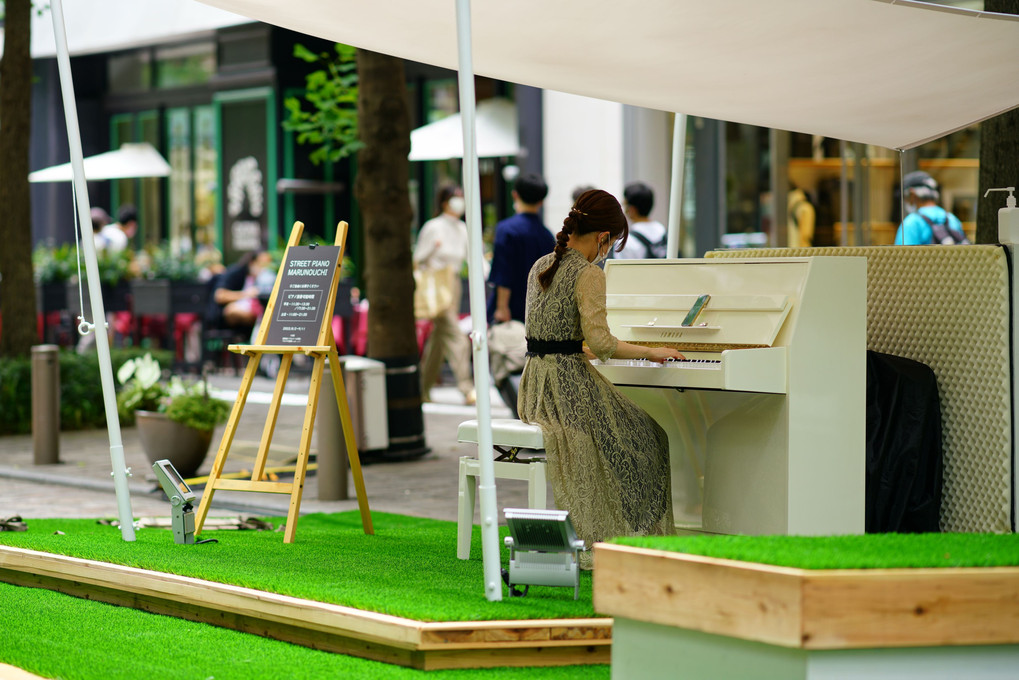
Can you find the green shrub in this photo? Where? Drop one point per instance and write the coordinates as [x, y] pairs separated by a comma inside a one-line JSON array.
[[81, 393], [199, 411]]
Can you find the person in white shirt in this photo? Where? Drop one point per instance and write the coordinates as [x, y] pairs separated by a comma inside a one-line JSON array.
[[647, 236], [442, 245], [116, 237]]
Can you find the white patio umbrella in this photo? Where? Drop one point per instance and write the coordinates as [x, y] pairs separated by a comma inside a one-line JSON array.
[[498, 137], [841, 68], [130, 160]]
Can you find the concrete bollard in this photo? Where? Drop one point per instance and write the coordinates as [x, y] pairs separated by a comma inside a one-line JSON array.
[[332, 453], [46, 404]]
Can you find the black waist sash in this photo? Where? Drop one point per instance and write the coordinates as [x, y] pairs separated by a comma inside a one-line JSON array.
[[542, 347]]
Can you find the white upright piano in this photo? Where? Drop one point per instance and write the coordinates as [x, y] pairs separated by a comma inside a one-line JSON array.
[[766, 419]]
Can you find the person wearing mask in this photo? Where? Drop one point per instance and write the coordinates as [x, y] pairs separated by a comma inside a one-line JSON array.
[[926, 223], [607, 459], [442, 246], [519, 241]]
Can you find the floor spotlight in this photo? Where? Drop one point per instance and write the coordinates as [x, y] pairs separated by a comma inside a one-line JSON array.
[[544, 549], [181, 497]]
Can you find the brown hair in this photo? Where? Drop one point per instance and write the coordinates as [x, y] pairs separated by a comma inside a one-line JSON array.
[[593, 211], [446, 192]]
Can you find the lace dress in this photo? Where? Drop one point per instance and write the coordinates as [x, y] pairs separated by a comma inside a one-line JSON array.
[[607, 459]]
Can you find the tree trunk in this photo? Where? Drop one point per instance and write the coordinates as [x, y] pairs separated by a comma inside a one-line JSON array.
[[999, 152], [383, 172], [17, 290]]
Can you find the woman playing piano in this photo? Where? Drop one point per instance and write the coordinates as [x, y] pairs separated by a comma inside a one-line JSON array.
[[608, 460]]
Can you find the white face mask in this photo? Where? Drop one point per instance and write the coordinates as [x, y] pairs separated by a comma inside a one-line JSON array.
[[602, 255], [456, 205]]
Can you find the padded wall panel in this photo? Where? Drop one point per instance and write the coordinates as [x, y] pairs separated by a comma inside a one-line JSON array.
[[947, 307]]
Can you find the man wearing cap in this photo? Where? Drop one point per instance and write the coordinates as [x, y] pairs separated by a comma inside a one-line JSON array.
[[927, 223]]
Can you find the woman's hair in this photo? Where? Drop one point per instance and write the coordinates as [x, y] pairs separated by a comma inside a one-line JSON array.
[[446, 192], [593, 211]]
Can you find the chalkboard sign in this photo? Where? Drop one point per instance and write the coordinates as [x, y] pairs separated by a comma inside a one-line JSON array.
[[306, 277]]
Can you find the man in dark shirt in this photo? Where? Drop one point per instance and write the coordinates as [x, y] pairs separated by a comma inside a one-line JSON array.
[[519, 241]]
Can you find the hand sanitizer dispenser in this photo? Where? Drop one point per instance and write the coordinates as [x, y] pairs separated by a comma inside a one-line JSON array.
[[1008, 218]]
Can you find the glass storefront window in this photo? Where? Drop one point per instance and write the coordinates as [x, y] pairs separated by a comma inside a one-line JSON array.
[[131, 72], [178, 123], [184, 65], [205, 187]]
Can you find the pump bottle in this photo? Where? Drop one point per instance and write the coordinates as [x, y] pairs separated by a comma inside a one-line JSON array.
[[1008, 218]]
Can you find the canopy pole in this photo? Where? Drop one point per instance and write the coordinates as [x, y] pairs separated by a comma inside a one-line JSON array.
[[672, 241], [479, 316], [87, 244]]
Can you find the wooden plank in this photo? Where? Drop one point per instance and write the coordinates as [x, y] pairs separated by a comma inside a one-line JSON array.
[[347, 427], [270, 421], [304, 449], [700, 593], [224, 444], [318, 625], [517, 658], [809, 609], [248, 485], [551, 632], [270, 306], [910, 607], [278, 349]]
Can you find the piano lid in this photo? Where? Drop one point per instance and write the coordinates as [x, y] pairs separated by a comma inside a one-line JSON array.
[[647, 300]]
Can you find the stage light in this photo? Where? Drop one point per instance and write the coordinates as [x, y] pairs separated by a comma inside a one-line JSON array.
[[181, 496], [544, 549]]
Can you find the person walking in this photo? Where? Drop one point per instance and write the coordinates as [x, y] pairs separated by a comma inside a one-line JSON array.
[[441, 251], [519, 241], [647, 236], [927, 222]]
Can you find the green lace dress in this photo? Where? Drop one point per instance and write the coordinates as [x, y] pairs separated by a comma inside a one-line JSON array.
[[607, 459]]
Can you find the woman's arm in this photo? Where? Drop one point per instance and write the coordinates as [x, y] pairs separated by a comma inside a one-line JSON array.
[[604, 345]]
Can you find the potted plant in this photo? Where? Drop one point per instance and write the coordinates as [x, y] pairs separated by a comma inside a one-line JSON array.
[[52, 267], [175, 420]]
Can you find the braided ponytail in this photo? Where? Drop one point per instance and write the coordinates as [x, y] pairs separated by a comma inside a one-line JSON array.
[[594, 210], [561, 239]]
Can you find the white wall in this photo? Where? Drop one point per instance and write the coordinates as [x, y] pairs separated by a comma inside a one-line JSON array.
[[583, 144]]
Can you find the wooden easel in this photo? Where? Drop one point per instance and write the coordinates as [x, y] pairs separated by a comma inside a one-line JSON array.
[[323, 349]]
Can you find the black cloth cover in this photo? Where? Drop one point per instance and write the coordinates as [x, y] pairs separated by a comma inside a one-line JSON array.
[[904, 463]]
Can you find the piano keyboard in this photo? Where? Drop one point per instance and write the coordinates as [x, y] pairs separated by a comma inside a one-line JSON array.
[[746, 370], [702, 364]]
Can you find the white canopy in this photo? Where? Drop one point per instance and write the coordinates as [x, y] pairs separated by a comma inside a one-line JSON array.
[[130, 160], [891, 73], [496, 129], [123, 24]]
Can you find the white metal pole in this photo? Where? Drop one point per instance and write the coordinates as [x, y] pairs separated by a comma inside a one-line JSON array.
[[479, 318], [95, 294], [672, 242]]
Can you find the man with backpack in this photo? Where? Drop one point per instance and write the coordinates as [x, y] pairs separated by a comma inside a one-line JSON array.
[[647, 236], [927, 223]]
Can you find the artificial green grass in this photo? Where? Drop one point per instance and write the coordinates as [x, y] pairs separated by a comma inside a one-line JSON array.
[[871, 551], [408, 568], [58, 636]]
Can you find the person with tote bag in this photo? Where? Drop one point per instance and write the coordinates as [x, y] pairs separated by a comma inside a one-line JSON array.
[[439, 256]]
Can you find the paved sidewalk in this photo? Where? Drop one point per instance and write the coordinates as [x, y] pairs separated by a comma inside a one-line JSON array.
[[81, 485]]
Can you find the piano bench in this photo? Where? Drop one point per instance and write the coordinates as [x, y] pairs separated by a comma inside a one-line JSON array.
[[509, 439]]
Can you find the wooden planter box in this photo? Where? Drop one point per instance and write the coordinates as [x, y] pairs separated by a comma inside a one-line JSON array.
[[723, 619]]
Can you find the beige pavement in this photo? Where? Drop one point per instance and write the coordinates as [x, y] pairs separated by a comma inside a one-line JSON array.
[[81, 485]]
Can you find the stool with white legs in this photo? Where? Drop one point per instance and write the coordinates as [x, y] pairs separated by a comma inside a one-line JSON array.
[[520, 455]]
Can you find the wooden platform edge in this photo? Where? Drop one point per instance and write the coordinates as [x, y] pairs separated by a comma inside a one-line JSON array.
[[809, 609], [329, 627]]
